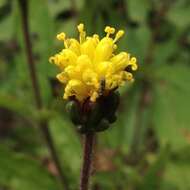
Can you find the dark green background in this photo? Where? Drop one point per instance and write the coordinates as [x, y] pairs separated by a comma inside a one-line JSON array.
[[148, 148]]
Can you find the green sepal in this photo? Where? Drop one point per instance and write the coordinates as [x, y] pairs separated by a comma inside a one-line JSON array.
[[95, 115], [111, 104], [81, 128], [99, 116], [85, 129], [112, 118], [73, 109], [103, 125]]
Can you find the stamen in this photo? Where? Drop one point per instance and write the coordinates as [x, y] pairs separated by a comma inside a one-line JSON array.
[[112, 30], [133, 60], [61, 36], [114, 46], [51, 59], [109, 30], [82, 33], [119, 34], [134, 63], [96, 38], [129, 76], [80, 27]]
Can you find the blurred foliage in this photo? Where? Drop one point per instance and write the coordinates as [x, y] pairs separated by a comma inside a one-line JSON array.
[[149, 145]]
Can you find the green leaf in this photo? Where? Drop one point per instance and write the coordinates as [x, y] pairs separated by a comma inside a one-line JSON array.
[[164, 51], [110, 180], [6, 18], [42, 26], [69, 27], [171, 105], [69, 147], [138, 10], [2, 2], [176, 177], [41, 35], [136, 41], [59, 6], [153, 175], [56, 7], [19, 172], [179, 14], [15, 105]]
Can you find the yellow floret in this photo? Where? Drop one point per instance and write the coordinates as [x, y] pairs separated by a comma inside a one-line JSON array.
[[86, 62]]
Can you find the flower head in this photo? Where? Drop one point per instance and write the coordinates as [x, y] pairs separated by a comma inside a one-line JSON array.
[[90, 68]]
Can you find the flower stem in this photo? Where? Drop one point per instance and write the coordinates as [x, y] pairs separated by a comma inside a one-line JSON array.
[[87, 159], [23, 4]]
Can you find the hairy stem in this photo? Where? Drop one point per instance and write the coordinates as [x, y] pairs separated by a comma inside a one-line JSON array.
[[87, 159], [23, 4]]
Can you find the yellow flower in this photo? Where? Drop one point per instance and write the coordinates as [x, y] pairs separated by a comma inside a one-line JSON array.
[[89, 67]]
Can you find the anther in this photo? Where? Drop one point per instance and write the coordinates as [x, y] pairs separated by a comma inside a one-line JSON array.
[[96, 36], [61, 36], [82, 33], [80, 27], [51, 59], [133, 63], [119, 34], [109, 30]]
